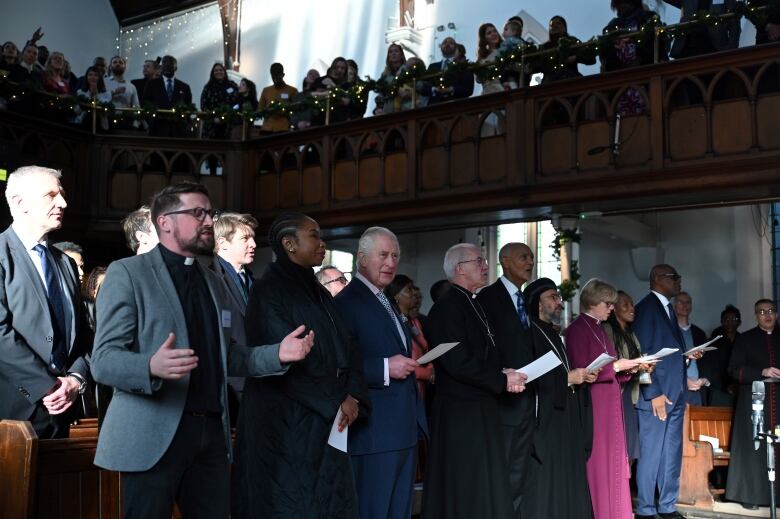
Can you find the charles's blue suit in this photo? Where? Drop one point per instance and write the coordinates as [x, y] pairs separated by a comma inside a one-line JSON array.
[[660, 442], [383, 446]]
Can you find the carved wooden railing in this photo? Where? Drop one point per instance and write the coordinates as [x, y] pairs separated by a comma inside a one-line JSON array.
[[709, 133]]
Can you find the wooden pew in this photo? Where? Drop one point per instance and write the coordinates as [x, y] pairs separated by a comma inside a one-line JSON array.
[[18, 453], [698, 457], [54, 479]]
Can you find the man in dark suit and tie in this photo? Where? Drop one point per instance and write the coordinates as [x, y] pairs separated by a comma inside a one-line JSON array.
[[661, 405], [383, 446], [461, 85], [166, 342], [506, 311], [167, 92], [43, 335], [234, 237]]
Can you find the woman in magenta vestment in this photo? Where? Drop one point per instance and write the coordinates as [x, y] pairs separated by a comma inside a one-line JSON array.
[[607, 468]]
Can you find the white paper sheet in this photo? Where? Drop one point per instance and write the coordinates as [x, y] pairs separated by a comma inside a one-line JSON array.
[[540, 366], [599, 362], [437, 352], [338, 440], [665, 352], [712, 441], [707, 346]]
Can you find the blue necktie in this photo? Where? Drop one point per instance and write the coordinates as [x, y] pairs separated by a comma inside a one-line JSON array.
[[59, 349], [244, 279], [169, 88], [521, 310]]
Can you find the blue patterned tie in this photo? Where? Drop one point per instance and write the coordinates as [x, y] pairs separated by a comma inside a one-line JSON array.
[[59, 350], [169, 88], [521, 310], [386, 303]]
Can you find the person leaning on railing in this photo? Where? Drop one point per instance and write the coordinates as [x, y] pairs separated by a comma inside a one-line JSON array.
[[394, 63], [94, 90], [552, 70]]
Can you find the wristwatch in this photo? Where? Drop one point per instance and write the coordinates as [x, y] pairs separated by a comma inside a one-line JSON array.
[[81, 380]]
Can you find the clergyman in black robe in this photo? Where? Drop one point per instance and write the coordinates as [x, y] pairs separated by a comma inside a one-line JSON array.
[[467, 474], [557, 481], [756, 356]]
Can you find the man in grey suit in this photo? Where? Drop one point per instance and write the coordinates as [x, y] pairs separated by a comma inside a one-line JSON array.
[[165, 342], [42, 334]]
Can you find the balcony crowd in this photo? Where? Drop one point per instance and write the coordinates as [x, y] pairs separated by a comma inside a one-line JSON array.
[[339, 94]]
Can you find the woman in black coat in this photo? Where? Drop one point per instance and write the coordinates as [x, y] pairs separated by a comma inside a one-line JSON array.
[[284, 465]]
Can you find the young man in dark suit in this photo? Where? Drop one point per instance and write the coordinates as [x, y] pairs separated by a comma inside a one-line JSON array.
[[167, 92], [43, 334]]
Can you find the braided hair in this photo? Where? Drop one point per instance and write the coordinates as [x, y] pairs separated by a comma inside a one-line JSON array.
[[284, 226]]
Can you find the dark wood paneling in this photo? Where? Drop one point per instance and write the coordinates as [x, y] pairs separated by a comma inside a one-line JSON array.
[[525, 151]]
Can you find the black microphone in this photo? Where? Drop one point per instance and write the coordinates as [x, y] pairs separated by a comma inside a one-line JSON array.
[[757, 416]]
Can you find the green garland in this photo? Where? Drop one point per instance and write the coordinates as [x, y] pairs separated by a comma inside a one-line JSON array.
[[568, 287], [529, 56]]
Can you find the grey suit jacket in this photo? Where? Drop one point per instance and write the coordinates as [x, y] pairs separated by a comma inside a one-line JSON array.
[[26, 332], [137, 307], [724, 37]]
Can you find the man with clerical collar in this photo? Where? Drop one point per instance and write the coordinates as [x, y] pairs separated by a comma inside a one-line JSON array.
[[166, 341], [563, 425], [755, 357], [43, 332], [470, 378], [508, 316]]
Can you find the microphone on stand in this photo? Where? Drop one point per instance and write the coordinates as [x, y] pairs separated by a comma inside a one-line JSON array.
[[757, 416], [615, 146]]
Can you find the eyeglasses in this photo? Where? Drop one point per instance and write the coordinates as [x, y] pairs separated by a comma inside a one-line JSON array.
[[480, 260], [199, 213], [340, 279], [730, 319], [673, 277], [609, 303], [766, 311]]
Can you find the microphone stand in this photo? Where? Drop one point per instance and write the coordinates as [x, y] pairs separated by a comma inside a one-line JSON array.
[[771, 439]]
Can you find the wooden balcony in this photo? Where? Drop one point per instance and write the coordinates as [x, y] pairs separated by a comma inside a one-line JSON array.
[[710, 134]]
